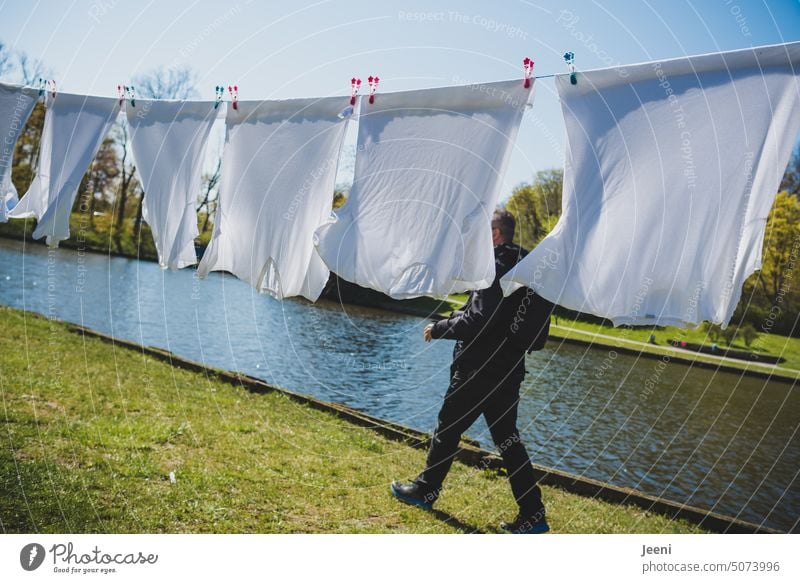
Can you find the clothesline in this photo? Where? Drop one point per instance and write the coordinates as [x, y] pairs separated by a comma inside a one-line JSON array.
[[124, 96], [221, 111]]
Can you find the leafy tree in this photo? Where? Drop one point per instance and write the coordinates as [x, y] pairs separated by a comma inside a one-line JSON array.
[[536, 206], [339, 198], [522, 204], [782, 243], [771, 297], [728, 334], [748, 334], [791, 178], [98, 183], [712, 331]]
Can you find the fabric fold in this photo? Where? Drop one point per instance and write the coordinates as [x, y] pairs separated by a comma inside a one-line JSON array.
[[428, 172], [277, 184], [671, 170], [168, 141], [16, 105], [74, 128]]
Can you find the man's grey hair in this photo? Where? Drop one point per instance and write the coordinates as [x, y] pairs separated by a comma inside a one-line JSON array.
[[504, 220]]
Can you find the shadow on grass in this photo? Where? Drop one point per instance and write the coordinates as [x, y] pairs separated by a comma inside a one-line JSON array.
[[451, 520]]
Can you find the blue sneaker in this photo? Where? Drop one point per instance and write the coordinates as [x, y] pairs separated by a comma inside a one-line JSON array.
[[535, 524], [411, 493]]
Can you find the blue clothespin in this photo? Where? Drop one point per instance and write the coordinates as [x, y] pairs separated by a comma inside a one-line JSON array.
[[42, 86], [219, 91], [569, 57]]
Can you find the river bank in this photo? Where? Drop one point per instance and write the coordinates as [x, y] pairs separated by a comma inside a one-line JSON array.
[[626, 340], [103, 438]]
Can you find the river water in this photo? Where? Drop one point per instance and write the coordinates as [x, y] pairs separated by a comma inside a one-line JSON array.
[[715, 440]]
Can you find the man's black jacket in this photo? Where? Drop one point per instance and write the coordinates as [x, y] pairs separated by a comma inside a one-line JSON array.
[[477, 327]]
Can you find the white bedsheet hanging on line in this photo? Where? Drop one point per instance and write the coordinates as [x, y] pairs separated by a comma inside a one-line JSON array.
[[276, 188], [428, 173], [168, 141], [16, 105], [671, 170], [74, 128]]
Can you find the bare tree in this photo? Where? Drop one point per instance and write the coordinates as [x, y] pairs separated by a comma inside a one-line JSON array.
[[210, 183], [30, 70], [172, 83], [21, 67], [6, 64], [126, 176]]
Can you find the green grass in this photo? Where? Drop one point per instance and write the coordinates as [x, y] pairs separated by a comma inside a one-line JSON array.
[[91, 432], [774, 344]]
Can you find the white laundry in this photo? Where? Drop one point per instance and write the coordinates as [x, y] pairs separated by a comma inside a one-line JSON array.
[[277, 184], [74, 128], [428, 173], [671, 170], [16, 105], [168, 141]]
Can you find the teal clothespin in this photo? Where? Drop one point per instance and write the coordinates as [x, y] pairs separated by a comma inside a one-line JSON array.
[[569, 57], [219, 91], [131, 94], [42, 86]]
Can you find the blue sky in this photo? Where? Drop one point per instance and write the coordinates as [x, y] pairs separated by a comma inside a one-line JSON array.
[[312, 48]]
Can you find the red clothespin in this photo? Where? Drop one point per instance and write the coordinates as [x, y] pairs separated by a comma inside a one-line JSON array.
[[528, 65], [234, 91], [52, 85], [120, 95], [355, 86], [373, 86]]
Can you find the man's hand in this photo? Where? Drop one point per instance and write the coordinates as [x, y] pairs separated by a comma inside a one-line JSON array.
[[426, 333]]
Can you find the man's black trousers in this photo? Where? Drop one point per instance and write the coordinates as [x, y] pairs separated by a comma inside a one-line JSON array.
[[492, 391]]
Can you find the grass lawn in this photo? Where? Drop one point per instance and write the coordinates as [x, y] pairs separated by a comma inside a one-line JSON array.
[[774, 344], [91, 434]]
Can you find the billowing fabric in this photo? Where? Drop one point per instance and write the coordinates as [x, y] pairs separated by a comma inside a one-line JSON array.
[[74, 128], [671, 170], [277, 185], [168, 141], [428, 172], [16, 105]]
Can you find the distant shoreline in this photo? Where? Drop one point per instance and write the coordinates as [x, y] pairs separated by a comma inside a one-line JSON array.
[[433, 309]]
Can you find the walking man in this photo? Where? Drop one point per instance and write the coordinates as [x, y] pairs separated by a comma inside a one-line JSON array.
[[485, 377]]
